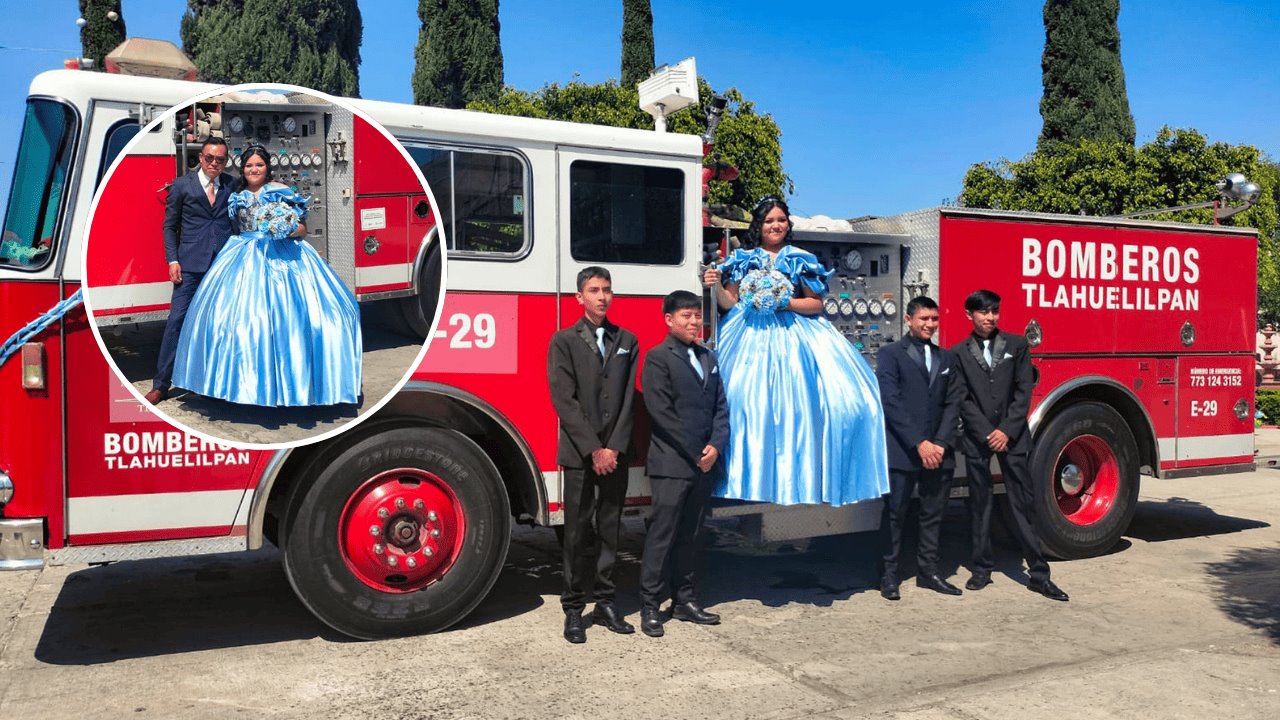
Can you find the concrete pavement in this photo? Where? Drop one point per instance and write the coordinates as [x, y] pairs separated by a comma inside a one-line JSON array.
[[1181, 620]]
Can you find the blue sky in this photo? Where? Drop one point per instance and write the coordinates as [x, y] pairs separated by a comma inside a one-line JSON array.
[[883, 106]]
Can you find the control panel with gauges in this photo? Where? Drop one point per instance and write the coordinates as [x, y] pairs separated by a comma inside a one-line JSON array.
[[864, 295], [294, 136]]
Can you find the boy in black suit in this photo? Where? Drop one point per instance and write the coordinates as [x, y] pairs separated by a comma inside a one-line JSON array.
[[921, 391], [998, 378], [690, 427], [591, 368]]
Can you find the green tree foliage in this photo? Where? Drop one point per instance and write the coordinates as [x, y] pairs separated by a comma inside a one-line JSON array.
[[1084, 93], [637, 41], [313, 43], [100, 35], [746, 139], [459, 53], [1178, 167]]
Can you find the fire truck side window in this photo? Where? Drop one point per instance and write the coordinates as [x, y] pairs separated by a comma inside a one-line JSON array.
[[626, 213], [39, 179], [118, 136], [481, 197]]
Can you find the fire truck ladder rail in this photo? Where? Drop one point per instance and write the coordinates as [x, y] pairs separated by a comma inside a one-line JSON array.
[[35, 327]]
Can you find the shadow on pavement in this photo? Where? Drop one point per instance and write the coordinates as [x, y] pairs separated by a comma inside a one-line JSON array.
[[1247, 587], [1178, 518]]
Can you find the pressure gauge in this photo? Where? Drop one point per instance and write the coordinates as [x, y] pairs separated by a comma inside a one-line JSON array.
[[890, 308], [860, 306], [316, 159], [289, 124], [237, 160], [875, 308], [264, 132], [831, 305], [236, 124], [249, 130], [852, 260], [295, 160], [285, 161], [275, 160], [306, 161], [846, 307]]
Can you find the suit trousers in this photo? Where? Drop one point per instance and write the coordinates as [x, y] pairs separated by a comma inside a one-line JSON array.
[[592, 530], [668, 568], [182, 295], [1018, 491], [934, 487]]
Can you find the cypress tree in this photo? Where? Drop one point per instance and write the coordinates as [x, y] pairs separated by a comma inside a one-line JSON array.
[[637, 41], [313, 43], [459, 53], [100, 35], [1084, 93]]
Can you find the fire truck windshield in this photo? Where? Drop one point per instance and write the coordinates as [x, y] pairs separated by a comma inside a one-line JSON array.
[[39, 183]]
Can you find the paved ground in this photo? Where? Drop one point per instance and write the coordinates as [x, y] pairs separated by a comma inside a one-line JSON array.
[[388, 354], [1181, 620]]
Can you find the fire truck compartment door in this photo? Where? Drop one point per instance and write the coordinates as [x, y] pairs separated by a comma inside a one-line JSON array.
[[1213, 393]]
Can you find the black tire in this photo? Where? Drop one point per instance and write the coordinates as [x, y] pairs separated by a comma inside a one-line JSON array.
[[314, 557], [419, 311], [1101, 516]]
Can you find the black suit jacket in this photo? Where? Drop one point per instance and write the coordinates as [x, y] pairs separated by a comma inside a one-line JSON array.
[[194, 230], [998, 397], [686, 413], [593, 399], [918, 404]]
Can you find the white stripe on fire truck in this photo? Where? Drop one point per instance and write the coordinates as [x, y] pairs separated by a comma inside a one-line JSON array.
[[1205, 447], [154, 511], [113, 297], [382, 275], [637, 484]]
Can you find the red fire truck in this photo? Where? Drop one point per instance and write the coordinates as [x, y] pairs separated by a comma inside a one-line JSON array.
[[1143, 339]]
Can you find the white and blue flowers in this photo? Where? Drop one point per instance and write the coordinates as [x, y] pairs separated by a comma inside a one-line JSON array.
[[277, 219], [765, 290]]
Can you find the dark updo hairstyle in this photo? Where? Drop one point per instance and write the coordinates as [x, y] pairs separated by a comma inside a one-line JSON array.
[[757, 221], [249, 152]]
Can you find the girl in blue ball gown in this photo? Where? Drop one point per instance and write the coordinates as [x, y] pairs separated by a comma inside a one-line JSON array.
[[271, 323], [805, 420]]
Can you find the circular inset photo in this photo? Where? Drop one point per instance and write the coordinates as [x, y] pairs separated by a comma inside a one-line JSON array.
[[263, 265]]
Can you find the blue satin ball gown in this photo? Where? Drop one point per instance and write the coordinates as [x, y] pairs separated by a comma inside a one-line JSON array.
[[271, 323], [805, 420]]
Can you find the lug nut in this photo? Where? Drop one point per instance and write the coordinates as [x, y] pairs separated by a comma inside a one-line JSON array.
[[435, 532], [377, 548], [411, 563], [428, 551], [374, 530], [400, 503], [432, 516], [382, 513], [391, 560], [418, 504]]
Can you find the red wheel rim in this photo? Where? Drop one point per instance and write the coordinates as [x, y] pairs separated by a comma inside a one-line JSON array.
[[401, 530], [1086, 478]]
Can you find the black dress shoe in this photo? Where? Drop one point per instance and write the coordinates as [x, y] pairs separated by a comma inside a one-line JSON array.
[[978, 581], [690, 612], [651, 622], [889, 588], [573, 630], [937, 584], [609, 616], [1048, 589]]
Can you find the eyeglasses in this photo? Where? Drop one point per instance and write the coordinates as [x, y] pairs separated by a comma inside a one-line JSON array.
[[214, 159]]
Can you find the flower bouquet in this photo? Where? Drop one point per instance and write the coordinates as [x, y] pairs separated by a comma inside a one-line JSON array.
[[765, 290], [277, 219]]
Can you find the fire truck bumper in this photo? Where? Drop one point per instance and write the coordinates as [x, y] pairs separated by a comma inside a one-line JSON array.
[[21, 544]]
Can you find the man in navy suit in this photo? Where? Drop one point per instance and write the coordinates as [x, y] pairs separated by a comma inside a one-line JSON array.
[[689, 430], [921, 391], [591, 368], [196, 226], [996, 366]]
